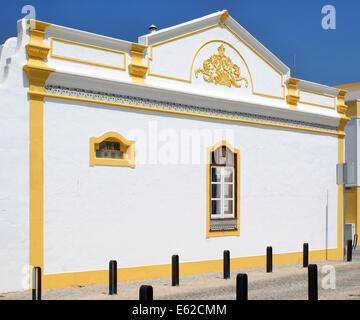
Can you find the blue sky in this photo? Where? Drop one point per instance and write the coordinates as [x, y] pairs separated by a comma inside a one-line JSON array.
[[285, 27]]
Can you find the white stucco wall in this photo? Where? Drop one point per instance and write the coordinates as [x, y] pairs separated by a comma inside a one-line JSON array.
[[144, 215], [14, 174]]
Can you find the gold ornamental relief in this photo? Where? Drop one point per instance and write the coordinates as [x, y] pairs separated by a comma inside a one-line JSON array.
[[220, 69]]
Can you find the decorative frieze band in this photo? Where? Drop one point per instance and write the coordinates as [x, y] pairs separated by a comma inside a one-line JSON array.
[[163, 105]]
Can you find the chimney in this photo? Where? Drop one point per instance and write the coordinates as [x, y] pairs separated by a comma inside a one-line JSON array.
[[153, 28]]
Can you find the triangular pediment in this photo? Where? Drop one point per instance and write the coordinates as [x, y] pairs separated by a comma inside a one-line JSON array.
[[215, 53]]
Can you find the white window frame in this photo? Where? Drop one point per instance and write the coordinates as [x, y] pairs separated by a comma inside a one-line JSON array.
[[222, 198]]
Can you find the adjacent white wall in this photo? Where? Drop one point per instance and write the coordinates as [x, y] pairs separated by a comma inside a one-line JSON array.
[[14, 174], [141, 216]]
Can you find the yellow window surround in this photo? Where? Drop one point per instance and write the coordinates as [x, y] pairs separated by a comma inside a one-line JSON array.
[[236, 152], [126, 146]]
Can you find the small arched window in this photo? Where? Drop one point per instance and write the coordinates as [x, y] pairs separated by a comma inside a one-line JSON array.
[[223, 179], [112, 149]]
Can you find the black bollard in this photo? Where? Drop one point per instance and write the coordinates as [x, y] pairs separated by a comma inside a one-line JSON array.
[[242, 286], [269, 260], [112, 277], [313, 282], [305, 255], [36, 283], [226, 264], [349, 251], [146, 293], [175, 270]]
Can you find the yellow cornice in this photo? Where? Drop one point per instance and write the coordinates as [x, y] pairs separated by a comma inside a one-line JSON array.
[[341, 109], [137, 47], [223, 18], [38, 25], [353, 110], [292, 97], [348, 85], [37, 76], [137, 68], [341, 106], [37, 52]]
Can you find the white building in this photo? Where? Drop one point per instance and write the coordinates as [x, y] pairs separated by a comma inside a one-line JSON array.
[[352, 158], [194, 140]]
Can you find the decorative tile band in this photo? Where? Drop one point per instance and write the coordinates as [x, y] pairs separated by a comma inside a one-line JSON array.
[[178, 107]]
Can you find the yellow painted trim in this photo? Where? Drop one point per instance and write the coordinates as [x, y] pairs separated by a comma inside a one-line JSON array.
[[127, 146], [292, 97], [193, 114], [37, 73], [83, 61], [36, 189], [348, 85], [211, 234], [39, 25], [341, 107], [340, 200], [62, 280], [137, 68], [224, 16]]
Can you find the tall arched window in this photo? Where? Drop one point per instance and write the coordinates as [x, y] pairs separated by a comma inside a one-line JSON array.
[[223, 180]]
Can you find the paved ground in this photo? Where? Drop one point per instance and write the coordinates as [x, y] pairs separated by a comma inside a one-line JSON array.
[[285, 283]]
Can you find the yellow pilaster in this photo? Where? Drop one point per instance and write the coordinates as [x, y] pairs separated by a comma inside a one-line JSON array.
[[292, 97], [37, 72], [341, 109], [137, 69]]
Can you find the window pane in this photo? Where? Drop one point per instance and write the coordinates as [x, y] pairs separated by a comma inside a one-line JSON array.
[[228, 191], [216, 207], [109, 149], [216, 174], [216, 191], [228, 174], [228, 206]]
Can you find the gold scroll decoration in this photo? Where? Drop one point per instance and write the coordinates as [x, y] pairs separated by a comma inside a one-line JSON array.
[[219, 69]]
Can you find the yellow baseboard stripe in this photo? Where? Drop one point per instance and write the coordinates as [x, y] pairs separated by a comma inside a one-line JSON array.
[[187, 268]]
